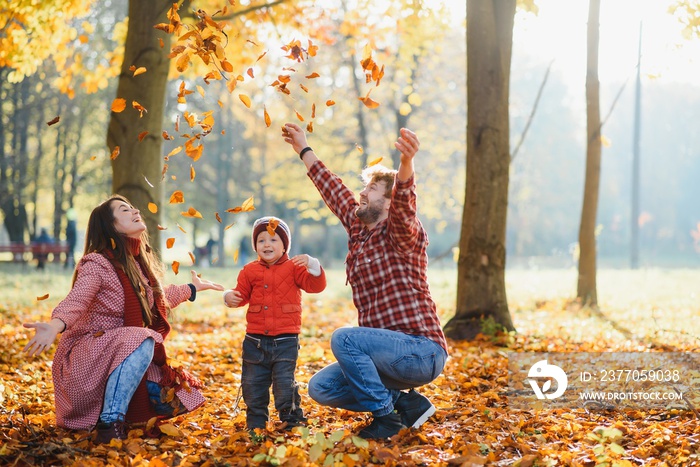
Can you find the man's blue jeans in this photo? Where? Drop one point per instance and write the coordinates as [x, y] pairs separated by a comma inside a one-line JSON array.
[[373, 366]]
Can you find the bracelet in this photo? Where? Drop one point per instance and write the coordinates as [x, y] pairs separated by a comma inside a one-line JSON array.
[[304, 151], [193, 292]]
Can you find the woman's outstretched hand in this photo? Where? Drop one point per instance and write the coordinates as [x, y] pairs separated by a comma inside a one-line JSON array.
[[44, 336], [203, 284]]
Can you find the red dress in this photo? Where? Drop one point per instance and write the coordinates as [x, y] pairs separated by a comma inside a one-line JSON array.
[[96, 341]]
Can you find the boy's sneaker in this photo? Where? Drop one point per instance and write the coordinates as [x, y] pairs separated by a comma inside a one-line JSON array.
[[415, 409], [382, 427]]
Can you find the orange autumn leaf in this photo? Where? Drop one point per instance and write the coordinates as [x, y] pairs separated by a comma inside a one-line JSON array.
[[160, 227], [330, 102], [299, 116], [191, 212], [139, 71], [176, 267], [218, 217], [229, 226], [359, 148], [369, 102], [153, 207], [53, 121], [142, 135], [375, 161], [248, 205], [250, 73], [312, 75], [180, 227], [170, 242], [192, 257], [115, 153], [313, 111], [268, 121], [310, 127], [118, 105], [245, 99], [303, 88], [177, 197], [43, 297], [271, 226], [235, 256], [173, 152], [142, 110], [192, 173]]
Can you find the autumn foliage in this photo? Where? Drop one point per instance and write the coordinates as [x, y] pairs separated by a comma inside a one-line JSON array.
[[474, 424]]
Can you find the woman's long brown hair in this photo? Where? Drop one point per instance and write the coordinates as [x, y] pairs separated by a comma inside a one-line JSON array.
[[101, 237]]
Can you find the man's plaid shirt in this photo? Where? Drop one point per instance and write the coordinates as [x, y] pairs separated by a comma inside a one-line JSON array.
[[387, 266]]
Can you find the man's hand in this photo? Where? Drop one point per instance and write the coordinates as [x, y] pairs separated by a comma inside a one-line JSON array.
[[408, 145], [294, 135]]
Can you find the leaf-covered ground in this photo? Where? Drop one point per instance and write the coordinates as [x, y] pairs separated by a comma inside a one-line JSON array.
[[641, 311]]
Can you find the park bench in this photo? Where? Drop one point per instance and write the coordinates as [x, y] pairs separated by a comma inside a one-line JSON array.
[[21, 252]]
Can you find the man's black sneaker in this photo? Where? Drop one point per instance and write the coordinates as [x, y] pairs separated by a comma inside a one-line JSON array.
[[415, 409], [382, 427]]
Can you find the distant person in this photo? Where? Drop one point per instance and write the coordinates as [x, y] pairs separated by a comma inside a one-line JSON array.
[[71, 236], [43, 239], [211, 243], [399, 344], [271, 287], [110, 367]]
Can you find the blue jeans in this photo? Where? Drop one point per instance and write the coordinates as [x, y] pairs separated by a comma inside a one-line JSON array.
[[123, 381], [270, 361], [373, 366]]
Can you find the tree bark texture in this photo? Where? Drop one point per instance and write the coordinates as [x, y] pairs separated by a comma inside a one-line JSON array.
[[481, 292], [587, 290], [137, 161]]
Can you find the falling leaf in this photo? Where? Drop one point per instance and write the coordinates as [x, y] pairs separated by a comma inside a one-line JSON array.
[[312, 75], [330, 103], [43, 297], [92, 158], [303, 88], [271, 226], [160, 41], [313, 111], [177, 197], [301, 119], [139, 107], [153, 207], [114, 244], [176, 267], [53, 121], [375, 161], [118, 105], [173, 152], [115, 153], [226, 66], [180, 227], [200, 90], [359, 148], [245, 99], [160, 227], [192, 173], [369, 102], [235, 256], [191, 212], [142, 135], [170, 242], [218, 217], [268, 121], [229, 226], [139, 71], [250, 73], [310, 127]]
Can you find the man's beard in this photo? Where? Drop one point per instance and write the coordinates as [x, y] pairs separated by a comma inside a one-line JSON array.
[[368, 214]]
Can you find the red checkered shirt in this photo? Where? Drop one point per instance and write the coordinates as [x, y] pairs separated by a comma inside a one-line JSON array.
[[386, 266]]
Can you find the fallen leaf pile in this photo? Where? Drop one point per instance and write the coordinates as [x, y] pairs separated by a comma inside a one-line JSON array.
[[474, 424]]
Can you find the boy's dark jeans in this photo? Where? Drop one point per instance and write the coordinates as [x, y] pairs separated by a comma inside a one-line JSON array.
[[271, 360]]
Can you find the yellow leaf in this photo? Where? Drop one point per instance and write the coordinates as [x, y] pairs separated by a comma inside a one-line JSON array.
[[177, 197], [153, 207], [245, 99], [192, 173], [191, 212], [140, 70], [235, 256], [375, 161], [248, 205], [169, 429]]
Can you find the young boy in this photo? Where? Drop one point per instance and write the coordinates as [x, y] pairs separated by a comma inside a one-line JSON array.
[[271, 286]]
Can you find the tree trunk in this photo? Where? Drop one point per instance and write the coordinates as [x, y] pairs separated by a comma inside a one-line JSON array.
[[141, 161], [481, 292], [587, 292]]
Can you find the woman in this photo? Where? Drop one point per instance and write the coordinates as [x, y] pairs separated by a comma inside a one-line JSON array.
[[110, 366]]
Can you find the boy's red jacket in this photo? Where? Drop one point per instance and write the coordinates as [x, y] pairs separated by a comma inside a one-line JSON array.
[[273, 295]]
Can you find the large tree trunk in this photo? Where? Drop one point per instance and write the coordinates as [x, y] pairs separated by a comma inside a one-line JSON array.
[[587, 291], [138, 161], [481, 292]]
